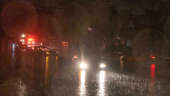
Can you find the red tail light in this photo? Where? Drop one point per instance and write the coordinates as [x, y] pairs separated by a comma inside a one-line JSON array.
[[153, 57], [65, 44], [75, 57]]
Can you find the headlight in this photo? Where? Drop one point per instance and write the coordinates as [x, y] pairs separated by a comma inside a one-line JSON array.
[[47, 53], [83, 65], [102, 65]]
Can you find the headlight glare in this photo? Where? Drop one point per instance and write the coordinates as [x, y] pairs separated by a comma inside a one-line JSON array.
[[102, 65], [83, 65]]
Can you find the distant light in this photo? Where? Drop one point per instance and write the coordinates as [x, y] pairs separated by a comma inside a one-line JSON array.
[[23, 35], [22, 40], [75, 57], [90, 29], [30, 39], [65, 44], [153, 57], [47, 53]]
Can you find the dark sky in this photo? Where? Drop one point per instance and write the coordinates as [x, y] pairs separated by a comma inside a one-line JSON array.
[[66, 17]]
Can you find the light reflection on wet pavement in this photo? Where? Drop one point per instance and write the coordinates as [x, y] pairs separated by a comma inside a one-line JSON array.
[[35, 74], [105, 83]]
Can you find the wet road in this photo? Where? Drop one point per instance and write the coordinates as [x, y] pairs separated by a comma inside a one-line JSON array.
[[31, 73]]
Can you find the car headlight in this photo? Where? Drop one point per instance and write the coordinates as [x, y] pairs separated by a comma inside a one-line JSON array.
[[83, 65], [47, 53], [102, 65]]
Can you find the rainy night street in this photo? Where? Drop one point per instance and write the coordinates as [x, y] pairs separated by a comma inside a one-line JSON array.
[[84, 47], [32, 73]]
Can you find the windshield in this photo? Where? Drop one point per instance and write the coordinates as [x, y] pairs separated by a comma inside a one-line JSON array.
[[84, 48]]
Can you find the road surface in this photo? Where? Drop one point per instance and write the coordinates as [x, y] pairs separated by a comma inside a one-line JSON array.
[[32, 73]]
